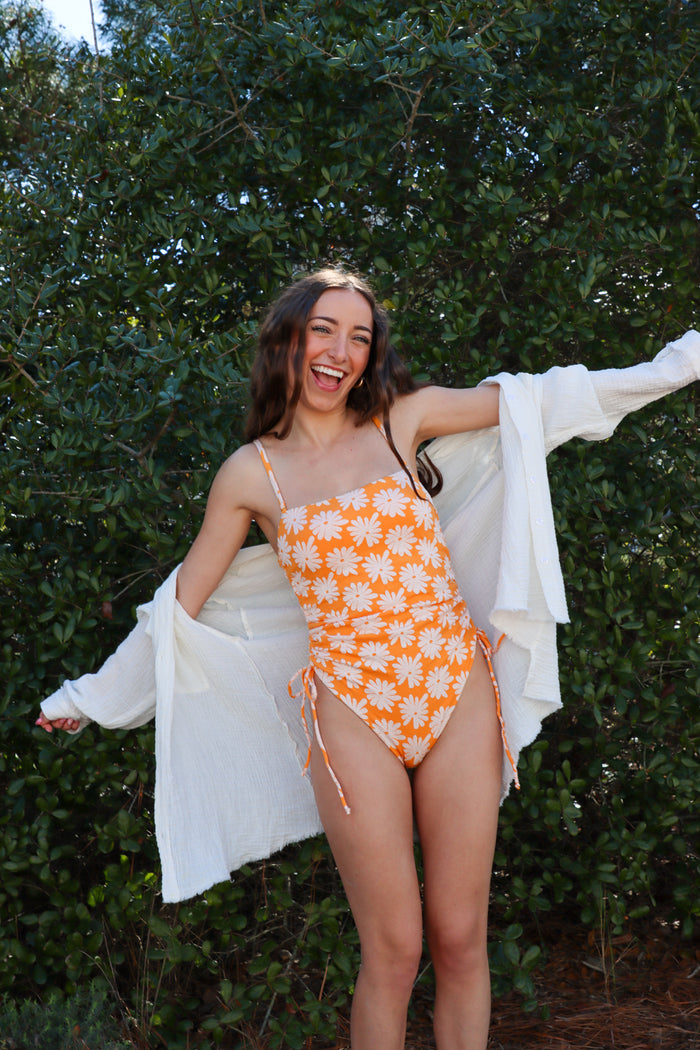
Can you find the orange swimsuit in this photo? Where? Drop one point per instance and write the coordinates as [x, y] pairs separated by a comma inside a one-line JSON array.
[[389, 632]]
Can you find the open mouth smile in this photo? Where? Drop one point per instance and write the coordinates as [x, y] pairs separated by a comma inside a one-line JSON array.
[[327, 375]]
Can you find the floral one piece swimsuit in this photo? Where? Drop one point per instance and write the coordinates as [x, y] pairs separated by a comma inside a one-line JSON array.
[[389, 632]]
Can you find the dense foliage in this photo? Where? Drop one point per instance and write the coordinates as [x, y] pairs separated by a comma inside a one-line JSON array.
[[520, 181]]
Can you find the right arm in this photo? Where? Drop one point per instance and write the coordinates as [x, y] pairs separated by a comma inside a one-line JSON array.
[[223, 532]]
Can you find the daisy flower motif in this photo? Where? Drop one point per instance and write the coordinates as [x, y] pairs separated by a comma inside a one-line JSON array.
[[456, 649], [306, 555], [355, 500], [393, 601], [358, 597], [300, 584], [431, 642], [460, 682], [424, 513], [409, 669], [366, 530], [439, 719], [414, 710], [343, 561], [429, 553], [437, 683], [379, 567], [337, 617], [312, 613], [349, 673], [446, 616], [414, 578], [327, 524], [342, 643], [389, 731], [358, 704], [295, 518], [415, 749], [284, 551], [369, 625], [390, 503], [400, 633], [381, 694], [376, 655], [423, 612], [442, 588], [326, 588], [401, 539]]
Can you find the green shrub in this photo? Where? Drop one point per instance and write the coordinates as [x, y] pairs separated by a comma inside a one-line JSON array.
[[85, 1021]]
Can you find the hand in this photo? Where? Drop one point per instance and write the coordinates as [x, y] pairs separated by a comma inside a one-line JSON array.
[[69, 724]]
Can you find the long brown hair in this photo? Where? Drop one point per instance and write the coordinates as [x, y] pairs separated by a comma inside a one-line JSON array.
[[282, 335]]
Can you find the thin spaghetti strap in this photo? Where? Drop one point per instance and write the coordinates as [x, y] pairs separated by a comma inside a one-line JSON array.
[[380, 426], [270, 473]]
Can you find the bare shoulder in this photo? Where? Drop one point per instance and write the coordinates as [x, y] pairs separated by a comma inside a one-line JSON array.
[[432, 411], [241, 481]]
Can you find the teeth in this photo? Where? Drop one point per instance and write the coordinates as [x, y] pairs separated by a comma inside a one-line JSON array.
[[335, 372]]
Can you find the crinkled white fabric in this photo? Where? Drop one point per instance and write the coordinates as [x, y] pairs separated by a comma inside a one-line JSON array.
[[229, 741]]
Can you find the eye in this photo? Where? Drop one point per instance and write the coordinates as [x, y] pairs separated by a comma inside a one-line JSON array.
[[363, 339], [322, 328]]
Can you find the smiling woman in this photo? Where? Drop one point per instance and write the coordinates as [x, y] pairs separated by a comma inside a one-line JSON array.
[[392, 672]]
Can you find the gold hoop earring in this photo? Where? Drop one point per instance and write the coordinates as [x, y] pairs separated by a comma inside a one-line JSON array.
[[360, 383]]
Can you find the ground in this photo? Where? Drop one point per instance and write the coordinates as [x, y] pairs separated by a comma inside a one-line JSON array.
[[641, 993]]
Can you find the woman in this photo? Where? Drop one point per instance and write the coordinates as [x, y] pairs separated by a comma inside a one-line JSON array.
[[398, 677]]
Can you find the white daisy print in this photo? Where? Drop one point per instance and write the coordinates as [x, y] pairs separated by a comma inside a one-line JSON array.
[[300, 584], [401, 633], [446, 616], [423, 612], [437, 682], [442, 588], [327, 524], [381, 694], [355, 500], [415, 749], [366, 531], [414, 578], [460, 682], [358, 704], [389, 731], [342, 643], [295, 518], [337, 617], [390, 503], [306, 555], [369, 625], [431, 642], [312, 613], [379, 567], [376, 655], [456, 648], [424, 512], [392, 601], [284, 551], [351, 674], [414, 710], [326, 588], [343, 561], [409, 669], [401, 539], [429, 553], [358, 597], [439, 719]]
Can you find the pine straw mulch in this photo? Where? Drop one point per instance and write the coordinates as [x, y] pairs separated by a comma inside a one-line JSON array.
[[640, 993]]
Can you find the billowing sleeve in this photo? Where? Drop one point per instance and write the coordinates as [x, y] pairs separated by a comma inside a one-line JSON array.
[[576, 402]]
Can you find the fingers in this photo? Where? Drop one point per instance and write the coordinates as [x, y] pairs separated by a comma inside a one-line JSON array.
[[69, 725]]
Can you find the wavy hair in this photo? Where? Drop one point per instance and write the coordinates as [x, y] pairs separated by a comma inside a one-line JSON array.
[[281, 341]]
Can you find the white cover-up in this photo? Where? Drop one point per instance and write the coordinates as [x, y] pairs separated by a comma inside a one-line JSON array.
[[229, 741]]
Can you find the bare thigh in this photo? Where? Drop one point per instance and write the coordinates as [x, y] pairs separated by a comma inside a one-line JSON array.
[[456, 798], [373, 844]]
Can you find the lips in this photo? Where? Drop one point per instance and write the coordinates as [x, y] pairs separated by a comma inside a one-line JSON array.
[[327, 376]]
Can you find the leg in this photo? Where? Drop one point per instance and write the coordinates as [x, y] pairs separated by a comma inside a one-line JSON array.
[[373, 848], [456, 797]]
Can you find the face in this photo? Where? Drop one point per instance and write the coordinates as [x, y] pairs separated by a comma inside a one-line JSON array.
[[338, 340]]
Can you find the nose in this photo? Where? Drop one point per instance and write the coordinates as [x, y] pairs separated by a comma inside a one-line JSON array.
[[339, 349]]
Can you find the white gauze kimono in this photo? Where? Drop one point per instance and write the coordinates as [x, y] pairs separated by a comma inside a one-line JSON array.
[[229, 740]]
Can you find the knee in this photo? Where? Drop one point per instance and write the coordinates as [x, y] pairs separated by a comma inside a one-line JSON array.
[[458, 945], [392, 956]]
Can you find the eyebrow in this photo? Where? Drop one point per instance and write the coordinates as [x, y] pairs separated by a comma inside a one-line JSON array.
[[332, 320]]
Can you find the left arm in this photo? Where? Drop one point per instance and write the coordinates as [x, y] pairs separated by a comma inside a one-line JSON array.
[[438, 410]]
